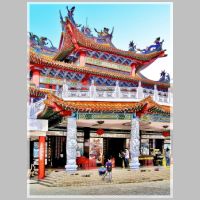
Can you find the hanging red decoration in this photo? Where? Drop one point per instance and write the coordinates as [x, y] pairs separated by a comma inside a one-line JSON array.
[[166, 133], [100, 131], [139, 114]]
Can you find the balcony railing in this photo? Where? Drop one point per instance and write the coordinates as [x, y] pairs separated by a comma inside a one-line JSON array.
[[34, 108], [102, 93], [114, 93]]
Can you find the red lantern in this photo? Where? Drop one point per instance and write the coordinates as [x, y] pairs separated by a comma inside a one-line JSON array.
[[139, 114], [166, 133], [100, 131]]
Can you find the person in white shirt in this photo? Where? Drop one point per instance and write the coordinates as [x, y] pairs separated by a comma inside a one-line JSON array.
[[126, 158]]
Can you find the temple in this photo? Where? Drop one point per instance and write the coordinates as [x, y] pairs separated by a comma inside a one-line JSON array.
[[89, 100]]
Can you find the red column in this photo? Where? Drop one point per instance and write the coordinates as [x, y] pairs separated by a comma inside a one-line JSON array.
[[41, 171], [36, 77], [133, 67], [82, 58]]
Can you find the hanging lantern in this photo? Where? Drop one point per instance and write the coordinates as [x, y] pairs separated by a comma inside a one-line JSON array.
[[138, 114], [100, 132], [166, 133]]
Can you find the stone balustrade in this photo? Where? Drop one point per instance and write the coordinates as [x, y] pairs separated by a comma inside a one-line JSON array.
[[116, 93]]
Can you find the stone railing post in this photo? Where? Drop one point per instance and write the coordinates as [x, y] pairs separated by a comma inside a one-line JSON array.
[[92, 90], [117, 92], [170, 96], [31, 109], [155, 95], [71, 144], [134, 143], [140, 94], [65, 90], [57, 90]]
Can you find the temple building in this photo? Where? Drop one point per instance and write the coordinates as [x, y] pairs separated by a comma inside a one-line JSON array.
[[89, 100]]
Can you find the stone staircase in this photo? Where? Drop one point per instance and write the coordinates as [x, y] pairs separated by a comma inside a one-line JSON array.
[[91, 177]]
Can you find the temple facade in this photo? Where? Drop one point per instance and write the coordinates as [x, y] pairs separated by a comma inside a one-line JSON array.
[[89, 100]]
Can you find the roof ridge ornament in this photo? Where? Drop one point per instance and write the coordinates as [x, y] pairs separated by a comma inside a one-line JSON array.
[[157, 46], [41, 43], [104, 36], [70, 16], [132, 46], [164, 77]]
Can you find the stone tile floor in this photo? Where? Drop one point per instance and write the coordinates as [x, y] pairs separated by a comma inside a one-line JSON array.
[[161, 188]]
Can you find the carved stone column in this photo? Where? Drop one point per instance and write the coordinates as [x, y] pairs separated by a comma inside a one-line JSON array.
[[71, 144], [134, 143]]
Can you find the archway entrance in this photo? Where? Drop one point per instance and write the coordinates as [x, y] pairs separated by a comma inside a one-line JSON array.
[[113, 147]]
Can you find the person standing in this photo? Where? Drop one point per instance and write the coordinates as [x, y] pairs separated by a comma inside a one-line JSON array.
[[126, 158], [167, 156], [108, 166], [122, 156]]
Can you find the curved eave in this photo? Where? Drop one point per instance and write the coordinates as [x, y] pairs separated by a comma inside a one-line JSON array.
[[66, 46], [141, 77], [61, 107], [73, 35], [144, 65]]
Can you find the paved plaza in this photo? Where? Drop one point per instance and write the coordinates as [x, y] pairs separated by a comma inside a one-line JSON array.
[[145, 188], [146, 181]]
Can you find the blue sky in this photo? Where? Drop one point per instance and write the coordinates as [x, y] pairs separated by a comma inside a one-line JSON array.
[[141, 23]]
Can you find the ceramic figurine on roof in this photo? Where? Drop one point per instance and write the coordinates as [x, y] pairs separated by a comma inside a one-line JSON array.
[[41, 43], [157, 46], [70, 13], [132, 46], [62, 21], [104, 36], [33, 39], [164, 77], [86, 30]]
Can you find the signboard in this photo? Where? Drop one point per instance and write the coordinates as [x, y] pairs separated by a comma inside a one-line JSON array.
[[36, 153], [62, 133], [153, 136], [110, 135], [48, 80], [37, 125], [120, 116], [96, 149], [36, 133], [155, 118], [110, 65]]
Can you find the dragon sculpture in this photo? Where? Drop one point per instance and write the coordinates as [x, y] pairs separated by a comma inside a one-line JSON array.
[[157, 46]]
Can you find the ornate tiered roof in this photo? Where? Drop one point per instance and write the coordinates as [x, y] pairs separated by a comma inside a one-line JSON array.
[[73, 38]]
